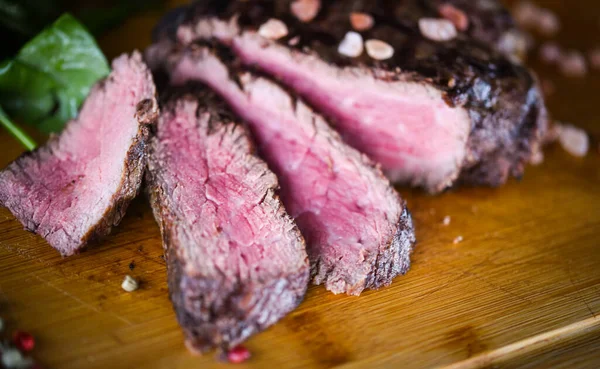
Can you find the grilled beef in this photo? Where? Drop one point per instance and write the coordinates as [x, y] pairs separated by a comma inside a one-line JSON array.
[[77, 187], [358, 232], [236, 261], [433, 114]]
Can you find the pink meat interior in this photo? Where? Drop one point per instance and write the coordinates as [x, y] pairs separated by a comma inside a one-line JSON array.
[[222, 196], [405, 126], [67, 186], [347, 211]]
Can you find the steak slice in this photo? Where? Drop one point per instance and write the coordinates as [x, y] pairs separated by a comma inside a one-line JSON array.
[[358, 231], [433, 114], [236, 261], [77, 187]]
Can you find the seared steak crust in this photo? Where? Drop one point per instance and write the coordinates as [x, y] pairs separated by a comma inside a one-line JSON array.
[[506, 111], [48, 189], [359, 234], [236, 261]]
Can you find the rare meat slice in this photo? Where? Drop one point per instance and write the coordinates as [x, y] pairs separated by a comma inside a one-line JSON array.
[[431, 112], [77, 187], [358, 231], [236, 261]]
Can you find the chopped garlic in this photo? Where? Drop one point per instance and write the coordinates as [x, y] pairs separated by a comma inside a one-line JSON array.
[[446, 220]]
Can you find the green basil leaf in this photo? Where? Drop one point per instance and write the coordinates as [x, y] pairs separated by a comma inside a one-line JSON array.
[[52, 75], [35, 98]]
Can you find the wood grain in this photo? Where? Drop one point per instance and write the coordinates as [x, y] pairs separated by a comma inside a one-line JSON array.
[[521, 290]]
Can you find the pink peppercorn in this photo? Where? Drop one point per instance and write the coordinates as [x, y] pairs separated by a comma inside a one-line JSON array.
[[594, 56], [454, 15], [573, 64], [24, 341], [238, 355], [550, 52]]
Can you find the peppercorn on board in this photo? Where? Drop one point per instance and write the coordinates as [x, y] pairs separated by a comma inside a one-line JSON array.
[[522, 288]]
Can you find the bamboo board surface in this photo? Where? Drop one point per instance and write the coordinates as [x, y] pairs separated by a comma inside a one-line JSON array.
[[521, 290]]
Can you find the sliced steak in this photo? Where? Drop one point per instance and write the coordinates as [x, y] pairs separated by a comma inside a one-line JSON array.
[[236, 261], [358, 231], [76, 187], [432, 114]]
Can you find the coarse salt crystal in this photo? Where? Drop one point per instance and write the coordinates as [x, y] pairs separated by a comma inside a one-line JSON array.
[[525, 13], [457, 240], [446, 220], [537, 158], [273, 29], [515, 44], [594, 57], [547, 23], [351, 45], [305, 10], [574, 140], [129, 284], [361, 21], [550, 52], [454, 15], [548, 87], [379, 50], [437, 29], [294, 41], [573, 64]]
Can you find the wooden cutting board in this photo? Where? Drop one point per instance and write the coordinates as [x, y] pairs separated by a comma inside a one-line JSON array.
[[521, 290]]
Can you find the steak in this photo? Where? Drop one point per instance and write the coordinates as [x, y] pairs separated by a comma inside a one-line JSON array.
[[236, 261], [77, 186], [358, 231], [433, 114]]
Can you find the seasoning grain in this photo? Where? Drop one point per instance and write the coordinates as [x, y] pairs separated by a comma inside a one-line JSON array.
[[351, 45], [574, 140], [547, 23], [273, 29], [446, 220], [129, 284], [305, 10], [361, 21], [439, 30], [454, 15], [550, 52], [594, 58], [238, 354], [24, 341], [12, 358], [573, 64], [379, 50]]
